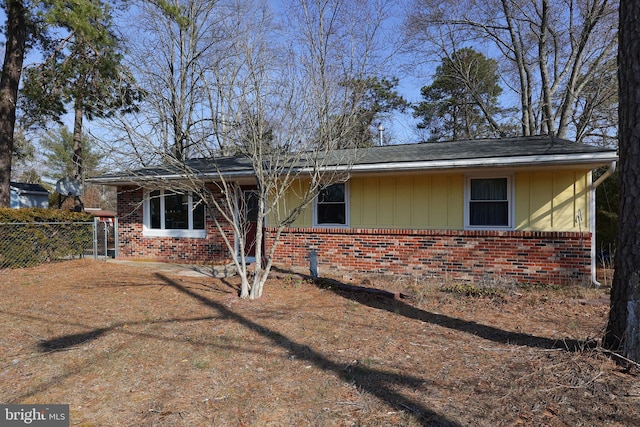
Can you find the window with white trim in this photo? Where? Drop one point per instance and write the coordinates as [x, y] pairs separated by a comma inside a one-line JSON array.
[[330, 207], [488, 202], [171, 214]]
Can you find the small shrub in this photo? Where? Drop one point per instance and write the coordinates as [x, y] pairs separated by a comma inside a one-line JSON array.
[[31, 215], [539, 287], [471, 290], [421, 291]]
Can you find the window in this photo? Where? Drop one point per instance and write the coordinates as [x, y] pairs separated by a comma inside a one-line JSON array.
[[330, 207], [488, 202], [173, 214]]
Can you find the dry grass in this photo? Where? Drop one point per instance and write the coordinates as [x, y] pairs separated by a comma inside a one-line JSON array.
[[133, 346]]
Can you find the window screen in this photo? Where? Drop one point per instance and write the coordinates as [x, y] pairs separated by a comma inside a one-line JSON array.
[[489, 202], [331, 205]]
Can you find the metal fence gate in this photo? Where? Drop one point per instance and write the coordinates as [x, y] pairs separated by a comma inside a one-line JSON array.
[[105, 237]]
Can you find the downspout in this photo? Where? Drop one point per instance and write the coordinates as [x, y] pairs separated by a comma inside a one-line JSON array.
[[592, 219]]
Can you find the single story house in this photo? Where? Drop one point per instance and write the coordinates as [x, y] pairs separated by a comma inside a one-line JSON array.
[[520, 209], [24, 195]]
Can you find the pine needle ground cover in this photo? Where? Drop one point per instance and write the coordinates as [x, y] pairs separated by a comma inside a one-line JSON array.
[[132, 345]]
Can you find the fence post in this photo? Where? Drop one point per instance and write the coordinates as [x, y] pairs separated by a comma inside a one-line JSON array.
[[115, 237], [106, 241], [95, 238]]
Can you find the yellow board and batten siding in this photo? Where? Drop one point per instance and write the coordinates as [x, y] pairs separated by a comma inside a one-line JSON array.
[[291, 199], [407, 201], [551, 200]]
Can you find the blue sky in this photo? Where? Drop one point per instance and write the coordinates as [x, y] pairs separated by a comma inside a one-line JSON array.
[[398, 129]]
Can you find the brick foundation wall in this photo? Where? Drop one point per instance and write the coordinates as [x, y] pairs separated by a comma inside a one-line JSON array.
[[558, 258], [132, 244]]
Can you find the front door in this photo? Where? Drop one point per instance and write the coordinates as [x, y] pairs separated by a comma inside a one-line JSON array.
[[250, 226]]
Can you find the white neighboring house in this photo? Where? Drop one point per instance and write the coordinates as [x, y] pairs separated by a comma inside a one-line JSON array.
[[25, 195]]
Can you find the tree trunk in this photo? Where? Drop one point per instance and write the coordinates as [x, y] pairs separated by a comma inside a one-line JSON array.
[[244, 281], [259, 274], [623, 328], [526, 119], [16, 32], [547, 123], [578, 77], [77, 153]]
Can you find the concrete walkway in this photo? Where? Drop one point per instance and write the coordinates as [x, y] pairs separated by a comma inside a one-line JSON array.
[[191, 270]]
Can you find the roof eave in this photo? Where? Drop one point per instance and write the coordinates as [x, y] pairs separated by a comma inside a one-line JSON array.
[[32, 193], [592, 160], [146, 179]]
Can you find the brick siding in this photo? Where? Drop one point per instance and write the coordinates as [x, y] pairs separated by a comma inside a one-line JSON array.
[[523, 257], [132, 244], [520, 256]]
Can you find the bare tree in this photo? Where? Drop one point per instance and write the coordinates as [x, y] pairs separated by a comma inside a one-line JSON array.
[[271, 95], [170, 56], [550, 52]]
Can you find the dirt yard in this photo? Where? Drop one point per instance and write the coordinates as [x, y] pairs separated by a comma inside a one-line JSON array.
[[131, 345]]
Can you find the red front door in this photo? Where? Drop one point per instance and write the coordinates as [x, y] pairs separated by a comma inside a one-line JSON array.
[[250, 204]]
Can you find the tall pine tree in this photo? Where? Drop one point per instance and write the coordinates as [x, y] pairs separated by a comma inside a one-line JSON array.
[[17, 31], [623, 329], [37, 24], [462, 101], [82, 73]]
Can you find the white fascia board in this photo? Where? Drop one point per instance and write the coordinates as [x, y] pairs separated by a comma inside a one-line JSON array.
[[545, 160]]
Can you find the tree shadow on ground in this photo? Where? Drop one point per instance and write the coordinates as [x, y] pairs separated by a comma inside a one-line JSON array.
[[375, 382], [66, 342], [69, 341], [378, 383], [393, 302], [74, 341]]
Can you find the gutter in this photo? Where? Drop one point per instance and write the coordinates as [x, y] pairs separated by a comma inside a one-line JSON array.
[[35, 193], [537, 160], [592, 219]]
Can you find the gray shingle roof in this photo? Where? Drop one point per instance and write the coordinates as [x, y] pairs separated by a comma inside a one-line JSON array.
[[23, 187], [424, 156], [477, 149]]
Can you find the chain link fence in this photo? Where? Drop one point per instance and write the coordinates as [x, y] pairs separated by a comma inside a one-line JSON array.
[[30, 244]]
